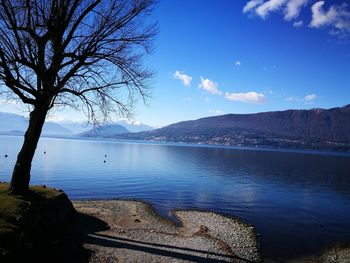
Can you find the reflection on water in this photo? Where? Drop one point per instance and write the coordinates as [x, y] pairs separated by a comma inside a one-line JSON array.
[[299, 202]]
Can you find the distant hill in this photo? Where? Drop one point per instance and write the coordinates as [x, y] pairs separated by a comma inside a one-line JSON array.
[[82, 127], [52, 128], [76, 126], [114, 129], [17, 124], [12, 122], [134, 126], [105, 131], [314, 129]]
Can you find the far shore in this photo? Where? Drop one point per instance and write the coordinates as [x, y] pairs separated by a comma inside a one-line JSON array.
[[186, 144]]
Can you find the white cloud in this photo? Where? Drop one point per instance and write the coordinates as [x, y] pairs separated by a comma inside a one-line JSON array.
[[298, 23], [320, 17], [238, 63], [188, 99], [209, 86], [310, 98], [251, 5], [186, 79], [272, 5], [293, 8], [248, 97], [289, 99], [217, 112], [337, 17]]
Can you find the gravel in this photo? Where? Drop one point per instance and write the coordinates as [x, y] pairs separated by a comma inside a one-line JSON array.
[[137, 234], [238, 236]]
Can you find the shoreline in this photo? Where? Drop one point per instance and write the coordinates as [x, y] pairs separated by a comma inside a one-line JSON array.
[[139, 234], [345, 153], [234, 246], [124, 230]]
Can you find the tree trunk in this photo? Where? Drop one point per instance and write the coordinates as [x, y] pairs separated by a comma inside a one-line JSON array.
[[21, 172]]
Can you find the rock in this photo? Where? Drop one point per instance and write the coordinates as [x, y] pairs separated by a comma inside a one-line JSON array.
[[336, 254], [40, 226], [202, 230]]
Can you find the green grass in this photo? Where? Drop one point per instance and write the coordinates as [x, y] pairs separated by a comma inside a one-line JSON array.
[[44, 191], [13, 207]]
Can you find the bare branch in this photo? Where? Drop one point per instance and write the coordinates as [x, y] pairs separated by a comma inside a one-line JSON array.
[[60, 52]]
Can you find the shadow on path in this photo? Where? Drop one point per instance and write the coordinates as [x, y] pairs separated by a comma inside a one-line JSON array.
[[84, 229], [71, 246], [158, 249]]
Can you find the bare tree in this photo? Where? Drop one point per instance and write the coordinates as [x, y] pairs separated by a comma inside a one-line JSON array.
[[72, 53]]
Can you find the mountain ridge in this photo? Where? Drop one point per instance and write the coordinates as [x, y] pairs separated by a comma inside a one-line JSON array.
[[14, 124], [11, 123], [314, 129], [325, 129], [104, 131]]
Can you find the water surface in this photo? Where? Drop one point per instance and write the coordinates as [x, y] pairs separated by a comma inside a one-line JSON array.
[[299, 202]]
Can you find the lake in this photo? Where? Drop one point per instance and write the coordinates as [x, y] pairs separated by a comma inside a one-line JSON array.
[[299, 202]]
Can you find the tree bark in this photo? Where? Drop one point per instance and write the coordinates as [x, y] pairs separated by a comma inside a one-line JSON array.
[[21, 172]]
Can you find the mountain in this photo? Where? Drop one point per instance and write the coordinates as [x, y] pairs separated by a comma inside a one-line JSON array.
[[76, 126], [52, 128], [313, 129], [108, 130], [105, 131], [12, 122], [134, 126], [17, 124], [81, 127]]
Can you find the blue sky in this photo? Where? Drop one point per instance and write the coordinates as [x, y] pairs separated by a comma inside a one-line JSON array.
[[239, 56]]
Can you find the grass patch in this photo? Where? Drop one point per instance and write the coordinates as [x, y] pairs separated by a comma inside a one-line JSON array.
[[29, 218], [12, 207]]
